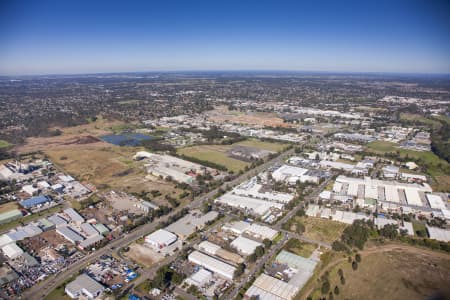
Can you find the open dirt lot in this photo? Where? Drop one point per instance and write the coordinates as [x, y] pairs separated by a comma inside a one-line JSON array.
[[80, 152], [318, 229], [143, 255], [107, 166], [76, 135]]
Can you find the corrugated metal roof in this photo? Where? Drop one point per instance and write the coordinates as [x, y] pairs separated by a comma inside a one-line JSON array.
[[33, 201], [69, 234], [89, 229], [73, 215], [8, 215], [57, 220], [84, 282], [212, 264], [101, 228], [295, 261], [91, 241], [244, 245]]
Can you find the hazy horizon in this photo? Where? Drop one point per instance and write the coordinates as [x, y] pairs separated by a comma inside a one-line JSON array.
[[53, 37]]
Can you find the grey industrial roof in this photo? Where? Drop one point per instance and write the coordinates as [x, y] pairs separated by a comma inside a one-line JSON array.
[[74, 216], [84, 281], [57, 220], [69, 234], [295, 261], [15, 213], [91, 240], [89, 229], [101, 228], [190, 223]]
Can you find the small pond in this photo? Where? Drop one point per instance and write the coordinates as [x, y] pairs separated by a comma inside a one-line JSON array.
[[126, 139]]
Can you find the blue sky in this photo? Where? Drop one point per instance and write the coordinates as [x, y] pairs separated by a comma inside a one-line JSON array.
[[48, 37]]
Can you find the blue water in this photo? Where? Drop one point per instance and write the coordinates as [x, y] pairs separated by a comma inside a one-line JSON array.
[[126, 139]]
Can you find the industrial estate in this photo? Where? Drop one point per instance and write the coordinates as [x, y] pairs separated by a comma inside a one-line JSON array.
[[225, 186]]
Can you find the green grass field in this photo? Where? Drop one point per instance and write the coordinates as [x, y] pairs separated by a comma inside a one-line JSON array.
[[215, 154], [218, 153], [419, 119], [318, 229], [269, 146], [4, 144], [419, 226], [58, 294], [300, 248]]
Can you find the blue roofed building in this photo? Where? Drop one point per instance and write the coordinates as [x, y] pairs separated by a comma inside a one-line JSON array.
[[34, 201]]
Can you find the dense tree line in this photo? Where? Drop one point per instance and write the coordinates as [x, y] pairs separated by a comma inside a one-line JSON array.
[[440, 141]]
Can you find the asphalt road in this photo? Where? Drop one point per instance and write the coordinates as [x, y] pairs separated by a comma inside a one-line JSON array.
[[42, 289]]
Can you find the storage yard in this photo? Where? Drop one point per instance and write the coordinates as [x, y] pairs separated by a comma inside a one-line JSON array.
[[170, 167], [143, 255]]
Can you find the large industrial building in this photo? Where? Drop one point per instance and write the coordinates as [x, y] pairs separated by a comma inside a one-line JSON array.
[[236, 227], [73, 216], [167, 166], [191, 223], [304, 267], [381, 190], [252, 197], [12, 251], [34, 201], [69, 234], [214, 265], [253, 189], [216, 250], [160, 239], [266, 287], [85, 287], [9, 216], [292, 175], [348, 217], [438, 234], [244, 245], [253, 206], [261, 232]]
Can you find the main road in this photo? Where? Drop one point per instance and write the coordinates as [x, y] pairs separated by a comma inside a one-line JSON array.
[[42, 289]]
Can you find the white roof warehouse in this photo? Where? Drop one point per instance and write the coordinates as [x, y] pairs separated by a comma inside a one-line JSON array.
[[223, 269]]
